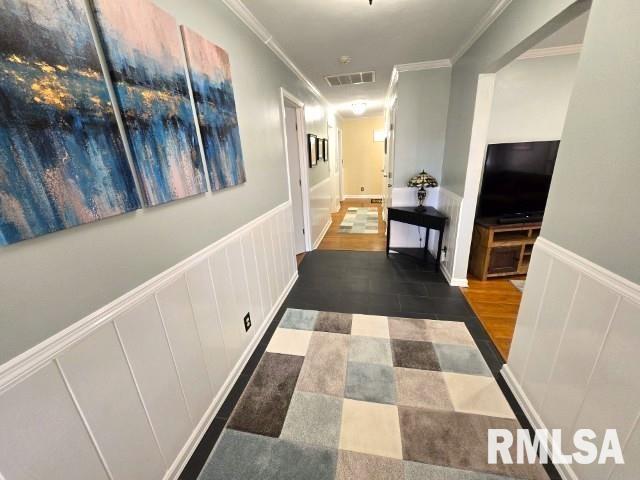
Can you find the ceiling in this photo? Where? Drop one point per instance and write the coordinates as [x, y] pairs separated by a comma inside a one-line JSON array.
[[315, 34]]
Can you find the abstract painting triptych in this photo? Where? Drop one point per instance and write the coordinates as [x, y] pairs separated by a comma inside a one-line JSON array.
[[63, 160]]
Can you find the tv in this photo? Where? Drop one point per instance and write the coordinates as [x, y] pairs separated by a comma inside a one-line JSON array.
[[516, 180]]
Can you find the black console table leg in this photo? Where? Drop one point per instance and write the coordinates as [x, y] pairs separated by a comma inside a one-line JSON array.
[[388, 235], [426, 244], [440, 232]]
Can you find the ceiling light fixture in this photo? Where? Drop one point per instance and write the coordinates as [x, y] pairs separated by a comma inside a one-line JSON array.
[[358, 108], [345, 59]]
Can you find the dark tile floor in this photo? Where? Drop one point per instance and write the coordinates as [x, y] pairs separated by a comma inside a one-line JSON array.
[[370, 283]]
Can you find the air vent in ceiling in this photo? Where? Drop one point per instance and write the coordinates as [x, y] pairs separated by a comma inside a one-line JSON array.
[[350, 78]]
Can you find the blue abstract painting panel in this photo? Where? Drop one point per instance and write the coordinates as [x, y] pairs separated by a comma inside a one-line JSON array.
[[62, 160], [144, 52], [210, 74]]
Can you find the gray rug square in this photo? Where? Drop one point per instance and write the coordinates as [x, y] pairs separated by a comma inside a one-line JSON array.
[[461, 359], [299, 319], [332, 322], [313, 419], [370, 350], [370, 382], [422, 471], [411, 354], [457, 440], [325, 365], [422, 389], [355, 466]]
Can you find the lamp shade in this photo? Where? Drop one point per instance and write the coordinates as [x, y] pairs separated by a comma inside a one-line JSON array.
[[423, 179]]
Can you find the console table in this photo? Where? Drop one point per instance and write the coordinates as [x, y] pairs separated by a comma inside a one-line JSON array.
[[430, 218]]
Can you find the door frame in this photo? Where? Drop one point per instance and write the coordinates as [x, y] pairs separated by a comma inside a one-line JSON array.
[[340, 163], [287, 97]]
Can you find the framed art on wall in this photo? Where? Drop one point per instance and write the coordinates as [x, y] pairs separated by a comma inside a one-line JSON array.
[[312, 149], [145, 58], [210, 75], [320, 149], [62, 159], [325, 143]]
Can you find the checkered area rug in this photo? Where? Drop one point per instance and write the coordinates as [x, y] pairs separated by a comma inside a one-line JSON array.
[[360, 220], [341, 396]]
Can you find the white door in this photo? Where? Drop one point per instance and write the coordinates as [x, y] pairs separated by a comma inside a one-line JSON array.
[[387, 174], [340, 165], [293, 154]]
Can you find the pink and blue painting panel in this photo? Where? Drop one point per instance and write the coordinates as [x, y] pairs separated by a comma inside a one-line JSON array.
[[210, 74], [62, 159], [145, 58]]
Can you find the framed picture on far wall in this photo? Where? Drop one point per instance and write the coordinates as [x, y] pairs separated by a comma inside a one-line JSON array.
[[312, 148], [325, 143], [320, 149]]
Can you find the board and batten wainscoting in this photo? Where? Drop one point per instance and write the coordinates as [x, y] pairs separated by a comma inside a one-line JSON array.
[[410, 236], [128, 391], [320, 200], [573, 360]]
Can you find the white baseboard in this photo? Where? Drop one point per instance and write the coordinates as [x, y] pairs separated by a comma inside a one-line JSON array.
[[324, 231], [454, 282], [361, 197], [194, 440], [565, 471]]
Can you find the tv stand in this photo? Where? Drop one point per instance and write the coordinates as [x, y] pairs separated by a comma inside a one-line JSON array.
[[499, 250]]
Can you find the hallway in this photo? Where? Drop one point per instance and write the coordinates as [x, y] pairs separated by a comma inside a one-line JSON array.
[[336, 240], [356, 283]]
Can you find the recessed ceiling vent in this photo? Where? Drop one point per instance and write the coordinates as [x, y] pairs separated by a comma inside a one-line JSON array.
[[350, 79]]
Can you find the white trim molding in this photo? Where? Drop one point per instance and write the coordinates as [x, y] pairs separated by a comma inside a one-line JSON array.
[[551, 51], [323, 232], [427, 65], [482, 26], [364, 197], [249, 19]]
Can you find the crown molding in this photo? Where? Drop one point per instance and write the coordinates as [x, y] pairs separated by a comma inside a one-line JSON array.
[[249, 19], [412, 67], [482, 26], [428, 65], [551, 51]]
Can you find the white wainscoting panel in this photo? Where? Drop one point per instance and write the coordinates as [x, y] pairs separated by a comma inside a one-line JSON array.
[[128, 391], [184, 341], [147, 350], [27, 449], [207, 317], [450, 204], [573, 360], [320, 205], [101, 382], [253, 280]]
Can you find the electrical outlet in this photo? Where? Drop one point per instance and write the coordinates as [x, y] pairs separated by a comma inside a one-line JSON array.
[[247, 322], [362, 189]]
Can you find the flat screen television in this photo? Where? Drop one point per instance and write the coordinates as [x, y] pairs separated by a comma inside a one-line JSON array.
[[516, 179]]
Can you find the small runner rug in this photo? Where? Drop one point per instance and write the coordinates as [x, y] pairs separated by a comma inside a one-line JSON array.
[[360, 220]]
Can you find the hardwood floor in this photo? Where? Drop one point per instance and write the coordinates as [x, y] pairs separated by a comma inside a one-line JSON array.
[[495, 302], [334, 240]]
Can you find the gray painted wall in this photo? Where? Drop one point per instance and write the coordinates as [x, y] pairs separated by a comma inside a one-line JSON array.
[[51, 282], [421, 122], [531, 98], [594, 198], [522, 25]]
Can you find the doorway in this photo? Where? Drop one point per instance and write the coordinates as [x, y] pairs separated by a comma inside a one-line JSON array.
[[521, 110], [293, 128]]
